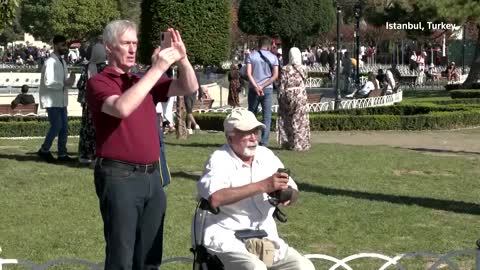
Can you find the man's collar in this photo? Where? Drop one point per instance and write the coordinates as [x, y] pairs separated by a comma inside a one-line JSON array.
[[238, 161], [109, 70]]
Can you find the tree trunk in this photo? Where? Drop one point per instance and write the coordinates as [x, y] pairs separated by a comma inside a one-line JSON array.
[[287, 44], [474, 74], [181, 127]]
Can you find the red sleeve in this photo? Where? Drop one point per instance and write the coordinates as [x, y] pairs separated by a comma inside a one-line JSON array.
[[160, 90], [99, 89]]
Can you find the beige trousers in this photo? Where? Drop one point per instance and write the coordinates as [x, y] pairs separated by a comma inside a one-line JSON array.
[[247, 261]]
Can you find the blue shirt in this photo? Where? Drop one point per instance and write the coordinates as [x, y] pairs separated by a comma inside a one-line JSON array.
[[261, 71]]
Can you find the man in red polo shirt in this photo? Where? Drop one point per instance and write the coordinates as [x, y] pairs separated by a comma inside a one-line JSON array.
[[127, 179]]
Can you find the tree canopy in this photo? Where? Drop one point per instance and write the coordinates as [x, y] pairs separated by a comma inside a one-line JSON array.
[[7, 13], [203, 25], [293, 21], [458, 11], [129, 10], [76, 19]]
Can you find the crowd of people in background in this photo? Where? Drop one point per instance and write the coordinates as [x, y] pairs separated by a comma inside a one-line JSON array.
[[29, 55], [26, 55]]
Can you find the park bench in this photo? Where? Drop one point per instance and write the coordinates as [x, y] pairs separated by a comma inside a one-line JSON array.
[[375, 93], [198, 105], [314, 98], [6, 109], [203, 104]]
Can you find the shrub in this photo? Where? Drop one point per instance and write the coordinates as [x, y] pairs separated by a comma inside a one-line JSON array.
[[204, 26], [32, 128], [419, 116], [456, 86], [465, 94], [442, 114]]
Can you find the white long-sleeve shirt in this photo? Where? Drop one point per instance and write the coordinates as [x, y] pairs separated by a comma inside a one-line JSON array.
[[52, 90]]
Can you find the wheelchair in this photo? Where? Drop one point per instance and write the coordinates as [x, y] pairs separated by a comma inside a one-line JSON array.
[[202, 260]]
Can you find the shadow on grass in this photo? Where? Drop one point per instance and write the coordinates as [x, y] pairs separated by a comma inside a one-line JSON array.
[[444, 151], [32, 156], [438, 204], [186, 144], [187, 175]]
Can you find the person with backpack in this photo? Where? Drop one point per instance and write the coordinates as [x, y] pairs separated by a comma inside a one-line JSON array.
[[262, 71]]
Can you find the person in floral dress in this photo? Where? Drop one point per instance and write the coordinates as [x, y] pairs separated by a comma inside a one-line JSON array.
[[293, 123], [234, 87]]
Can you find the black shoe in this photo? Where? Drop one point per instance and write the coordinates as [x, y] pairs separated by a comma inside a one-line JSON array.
[[46, 156], [65, 159]]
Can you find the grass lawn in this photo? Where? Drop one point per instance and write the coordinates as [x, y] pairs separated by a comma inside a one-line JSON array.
[[426, 95], [355, 199]]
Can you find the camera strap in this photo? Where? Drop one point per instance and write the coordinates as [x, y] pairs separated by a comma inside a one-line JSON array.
[[279, 215]]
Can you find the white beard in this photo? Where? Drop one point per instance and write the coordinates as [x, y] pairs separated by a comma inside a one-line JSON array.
[[248, 152]]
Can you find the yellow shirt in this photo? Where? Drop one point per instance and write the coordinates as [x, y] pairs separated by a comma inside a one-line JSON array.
[[354, 62]]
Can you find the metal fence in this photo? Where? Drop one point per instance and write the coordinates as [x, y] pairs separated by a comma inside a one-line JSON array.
[[441, 260]]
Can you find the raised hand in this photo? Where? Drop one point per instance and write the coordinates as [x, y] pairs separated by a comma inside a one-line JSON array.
[[278, 181], [177, 44], [164, 58]]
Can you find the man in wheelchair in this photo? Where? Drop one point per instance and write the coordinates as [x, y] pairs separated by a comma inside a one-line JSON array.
[[243, 182]]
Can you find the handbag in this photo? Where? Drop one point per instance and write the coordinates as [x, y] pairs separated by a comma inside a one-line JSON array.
[[165, 176]]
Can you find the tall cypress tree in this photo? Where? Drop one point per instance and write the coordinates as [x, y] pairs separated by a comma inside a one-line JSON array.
[[203, 25]]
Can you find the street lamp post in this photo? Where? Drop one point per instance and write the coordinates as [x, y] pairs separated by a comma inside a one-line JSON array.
[[463, 49], [358, 13], [338, 97]]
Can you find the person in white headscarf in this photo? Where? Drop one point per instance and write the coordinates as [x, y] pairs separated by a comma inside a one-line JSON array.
[[98, 56], [86, 143], [293, 124]]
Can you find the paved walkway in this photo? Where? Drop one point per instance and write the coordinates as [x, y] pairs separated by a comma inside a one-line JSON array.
[[461, 141]]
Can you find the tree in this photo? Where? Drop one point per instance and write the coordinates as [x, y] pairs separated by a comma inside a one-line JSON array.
[[293, 21], [203, 25], [129, 10], [12, 31], [76, 19], [8, 9], [463, 12]]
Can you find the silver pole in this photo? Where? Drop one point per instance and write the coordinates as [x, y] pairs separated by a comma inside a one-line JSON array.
[[477, 256]]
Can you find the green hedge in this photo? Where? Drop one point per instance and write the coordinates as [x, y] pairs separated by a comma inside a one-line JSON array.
[[465, 94], [457, 86], [442, 114], [328, 122], [33, 128]]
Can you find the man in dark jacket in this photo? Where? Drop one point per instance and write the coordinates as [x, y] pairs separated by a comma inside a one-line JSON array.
[[324, 57], [331, 58], [23, 98]]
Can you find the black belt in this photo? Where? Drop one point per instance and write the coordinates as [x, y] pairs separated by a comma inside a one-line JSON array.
[[144, 168]]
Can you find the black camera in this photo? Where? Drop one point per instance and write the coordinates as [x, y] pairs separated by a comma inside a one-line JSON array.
[[281, 196]]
